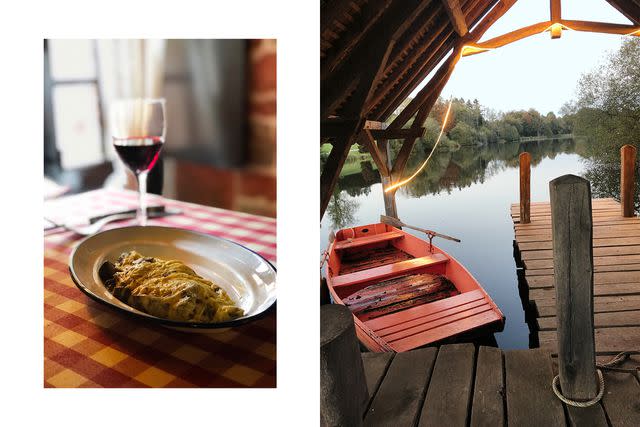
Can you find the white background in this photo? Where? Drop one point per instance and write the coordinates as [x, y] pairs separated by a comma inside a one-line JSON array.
[[24, 25]]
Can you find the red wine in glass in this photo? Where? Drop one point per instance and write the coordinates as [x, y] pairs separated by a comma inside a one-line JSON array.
[[140, 154]]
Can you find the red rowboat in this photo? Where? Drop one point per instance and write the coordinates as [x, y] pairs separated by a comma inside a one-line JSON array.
[[403, 292]]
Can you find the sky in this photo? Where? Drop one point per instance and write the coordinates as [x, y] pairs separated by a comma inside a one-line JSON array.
[[535, 72]]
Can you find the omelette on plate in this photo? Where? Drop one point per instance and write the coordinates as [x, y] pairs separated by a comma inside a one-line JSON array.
[[167, 289]]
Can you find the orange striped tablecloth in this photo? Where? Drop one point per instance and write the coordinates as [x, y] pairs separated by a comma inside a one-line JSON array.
[[86, 344]]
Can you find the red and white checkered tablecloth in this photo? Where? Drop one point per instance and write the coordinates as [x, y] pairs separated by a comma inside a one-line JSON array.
[[86, 344]]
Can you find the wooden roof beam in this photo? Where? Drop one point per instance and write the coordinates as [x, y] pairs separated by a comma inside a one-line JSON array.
[[601, 27], [489, 19], [351, 39], [457, 18], [402, 82], [403, 155], [555, 10], [436, 83], [556, 27], [364, 62], [629, 8], [394, 77], [386, 134], [567, 24], [369, 142]]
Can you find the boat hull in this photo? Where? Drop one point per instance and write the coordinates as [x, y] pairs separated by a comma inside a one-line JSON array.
[[403, 292]]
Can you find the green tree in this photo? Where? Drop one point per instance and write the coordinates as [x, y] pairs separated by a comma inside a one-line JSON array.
[[608, 104]]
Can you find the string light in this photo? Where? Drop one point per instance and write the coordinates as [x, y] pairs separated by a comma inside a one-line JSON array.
[[404, 181]]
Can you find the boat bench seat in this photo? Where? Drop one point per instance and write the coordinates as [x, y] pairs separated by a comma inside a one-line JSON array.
[[389, 270], [420, 325], [367, 240]]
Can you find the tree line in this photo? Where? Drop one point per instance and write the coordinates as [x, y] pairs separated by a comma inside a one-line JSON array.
[[471, 124]]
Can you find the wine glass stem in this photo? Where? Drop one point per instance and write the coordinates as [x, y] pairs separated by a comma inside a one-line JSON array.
[[142, 194]]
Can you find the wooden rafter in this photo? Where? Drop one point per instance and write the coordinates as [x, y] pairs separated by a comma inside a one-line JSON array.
[[411, 80], [394, 77], [389, 102], [442, 75], [354, 35], [363, 61], [457, 18], [629, 8]]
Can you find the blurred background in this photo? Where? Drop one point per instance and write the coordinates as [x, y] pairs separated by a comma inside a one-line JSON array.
[[220, 148]]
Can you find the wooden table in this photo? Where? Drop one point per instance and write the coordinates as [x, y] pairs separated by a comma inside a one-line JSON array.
[[86, 344]]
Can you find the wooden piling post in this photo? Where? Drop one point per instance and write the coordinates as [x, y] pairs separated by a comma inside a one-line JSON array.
[[343, 387], [525, 188], [627, 179], [572, 232]]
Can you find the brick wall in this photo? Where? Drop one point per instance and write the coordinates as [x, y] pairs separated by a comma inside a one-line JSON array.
[[252, 188], [262, 104]]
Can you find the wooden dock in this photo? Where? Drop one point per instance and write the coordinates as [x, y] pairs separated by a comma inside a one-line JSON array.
[[461, 385], [616, 258]]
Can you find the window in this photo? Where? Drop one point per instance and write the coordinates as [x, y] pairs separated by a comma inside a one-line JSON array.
[[73, 113]]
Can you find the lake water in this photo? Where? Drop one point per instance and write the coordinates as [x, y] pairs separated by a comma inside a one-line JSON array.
[[466, 194]]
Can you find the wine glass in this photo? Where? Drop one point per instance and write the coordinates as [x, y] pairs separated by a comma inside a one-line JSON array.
[[138, 130]]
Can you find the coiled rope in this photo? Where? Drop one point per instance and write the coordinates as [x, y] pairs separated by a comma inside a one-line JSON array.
[[608, 366]]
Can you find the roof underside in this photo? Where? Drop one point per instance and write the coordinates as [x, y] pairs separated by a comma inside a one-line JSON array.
[[374, 53]]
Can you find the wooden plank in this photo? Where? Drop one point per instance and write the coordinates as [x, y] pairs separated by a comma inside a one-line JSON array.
[[597, 252], [606, 278], [367, 240], [596, 269], [425, 321], [608, 340], [487, 408], [385, 271], [447, 330], [525, 188], [402, 391], [449, 394], [431, 309], [546, 308], [600, 320], [530, 401], [435, 323], [602, 231], [343, 389], [375, 368], [597, 243], [621, 399], [598, 290], [597, 261]]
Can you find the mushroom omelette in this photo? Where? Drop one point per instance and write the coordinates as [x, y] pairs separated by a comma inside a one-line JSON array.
[[167, 289]]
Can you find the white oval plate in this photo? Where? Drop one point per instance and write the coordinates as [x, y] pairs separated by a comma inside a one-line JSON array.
[[249, 279]]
